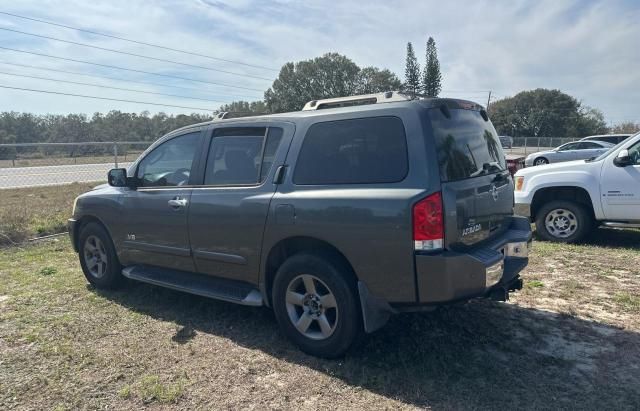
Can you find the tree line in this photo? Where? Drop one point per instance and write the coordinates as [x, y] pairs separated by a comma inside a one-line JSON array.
[[535, 113]]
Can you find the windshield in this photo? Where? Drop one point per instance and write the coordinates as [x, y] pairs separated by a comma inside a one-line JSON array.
[[467, 145], [612, 149]]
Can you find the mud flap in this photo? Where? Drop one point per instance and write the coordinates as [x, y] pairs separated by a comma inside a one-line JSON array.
[[375, 311]]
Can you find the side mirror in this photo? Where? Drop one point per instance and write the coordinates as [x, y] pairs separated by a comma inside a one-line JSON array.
[[623, 159], [117, 177]]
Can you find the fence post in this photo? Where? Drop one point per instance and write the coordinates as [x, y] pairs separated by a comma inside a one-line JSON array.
[[538, 143], [525, 145], [115, 154]]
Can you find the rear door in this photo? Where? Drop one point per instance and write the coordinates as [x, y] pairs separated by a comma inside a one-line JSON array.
[[477, 188], [228, 212]]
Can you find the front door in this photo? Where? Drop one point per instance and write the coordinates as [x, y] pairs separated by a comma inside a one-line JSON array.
[[156, 212], [620, 188], [228, 213]]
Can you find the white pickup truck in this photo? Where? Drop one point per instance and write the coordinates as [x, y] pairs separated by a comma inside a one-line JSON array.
[[567, 200]]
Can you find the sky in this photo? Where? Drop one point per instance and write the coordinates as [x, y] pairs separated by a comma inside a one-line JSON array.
[[588, 49]]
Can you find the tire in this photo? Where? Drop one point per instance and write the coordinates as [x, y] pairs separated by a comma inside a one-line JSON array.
[[540, 161], [98, 257], [563, 221], [293, 300]]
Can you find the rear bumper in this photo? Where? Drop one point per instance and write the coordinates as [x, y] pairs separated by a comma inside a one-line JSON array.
[[452, 276], [71, 227]]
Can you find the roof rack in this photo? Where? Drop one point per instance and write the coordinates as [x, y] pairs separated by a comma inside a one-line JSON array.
[[363, 99], [222, 115]]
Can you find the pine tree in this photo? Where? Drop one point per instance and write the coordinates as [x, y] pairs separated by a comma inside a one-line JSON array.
[[431, 77], [411, 71]]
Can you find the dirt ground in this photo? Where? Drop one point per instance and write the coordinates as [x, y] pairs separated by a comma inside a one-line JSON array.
[[569, 339]]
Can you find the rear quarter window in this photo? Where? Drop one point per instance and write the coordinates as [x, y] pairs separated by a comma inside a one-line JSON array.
[[355, 151], [467, 145]]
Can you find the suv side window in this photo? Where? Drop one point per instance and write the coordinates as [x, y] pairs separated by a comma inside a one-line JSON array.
[[170, 163], [357, 151], [241, 156], [587, 145]]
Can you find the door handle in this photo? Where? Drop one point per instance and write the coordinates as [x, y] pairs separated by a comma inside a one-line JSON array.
[[177, 202]]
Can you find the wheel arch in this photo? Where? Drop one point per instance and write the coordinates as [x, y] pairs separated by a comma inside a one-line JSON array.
[[568, 193], [290, 246], [81, 223]]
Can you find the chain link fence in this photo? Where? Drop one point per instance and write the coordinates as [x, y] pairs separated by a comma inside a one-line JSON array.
[[46, 164], [527, 145]]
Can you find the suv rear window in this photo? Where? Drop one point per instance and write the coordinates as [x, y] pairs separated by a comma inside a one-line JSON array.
[[467, 145], [358, 151]]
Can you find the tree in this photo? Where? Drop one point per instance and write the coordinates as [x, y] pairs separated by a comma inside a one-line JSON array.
[[545, 113], [374, 80], [253, 107], [411, 71], [627, 127], [328, 76], [431, 77]]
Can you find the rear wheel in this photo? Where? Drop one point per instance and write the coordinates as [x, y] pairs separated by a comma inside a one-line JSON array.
[[98, 258], [540, 161], [316, 305], [563, 221]]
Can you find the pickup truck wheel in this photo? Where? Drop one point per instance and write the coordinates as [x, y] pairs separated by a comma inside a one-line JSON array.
[[316, 305], [98, 258], [540, 161], [563, 221]]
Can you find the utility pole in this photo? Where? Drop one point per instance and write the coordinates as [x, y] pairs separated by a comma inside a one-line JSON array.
[[489, 100]]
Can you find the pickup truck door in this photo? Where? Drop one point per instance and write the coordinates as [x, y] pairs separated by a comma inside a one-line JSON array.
[[620, 188], [228, 212]]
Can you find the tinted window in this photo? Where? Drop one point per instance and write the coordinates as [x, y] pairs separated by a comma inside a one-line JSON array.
[[359, 151], [170, 163], [239, 156], [634, 153], [569, 146], [467, 145]]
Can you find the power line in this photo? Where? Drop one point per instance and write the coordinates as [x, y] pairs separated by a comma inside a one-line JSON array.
[[76, 73], [110, 87], [135, 54], [103, 98], [128, 69], [138, 42]]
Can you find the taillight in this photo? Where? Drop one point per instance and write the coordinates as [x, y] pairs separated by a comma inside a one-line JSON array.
[[428, 229]]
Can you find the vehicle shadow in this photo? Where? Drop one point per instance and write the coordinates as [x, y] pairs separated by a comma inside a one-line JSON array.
[[476, 355]]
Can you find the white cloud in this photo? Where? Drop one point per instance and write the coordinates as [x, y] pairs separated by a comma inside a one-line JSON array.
[[588, 49]]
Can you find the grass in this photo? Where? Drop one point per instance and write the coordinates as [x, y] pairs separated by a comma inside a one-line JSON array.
[[568, 340], [36, 211]]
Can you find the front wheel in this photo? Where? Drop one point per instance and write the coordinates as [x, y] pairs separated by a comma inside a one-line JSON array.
[[316, 305], [98, 257], [540, 161], [563, 221]]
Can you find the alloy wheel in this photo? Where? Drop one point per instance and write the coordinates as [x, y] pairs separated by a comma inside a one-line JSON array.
[[95, 256], [312, 307]]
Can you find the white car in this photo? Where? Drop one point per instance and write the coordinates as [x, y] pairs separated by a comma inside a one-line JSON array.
[[609, 138], [577, 150], [567, 200]]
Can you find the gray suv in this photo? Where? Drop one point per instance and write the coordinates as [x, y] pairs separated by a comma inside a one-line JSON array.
[[336, 216]]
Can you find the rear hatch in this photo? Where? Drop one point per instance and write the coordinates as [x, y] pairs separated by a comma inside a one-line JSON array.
[[477, 189]]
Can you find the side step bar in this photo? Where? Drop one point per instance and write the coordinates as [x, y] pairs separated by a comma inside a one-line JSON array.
[[618, 224], [199, 284]]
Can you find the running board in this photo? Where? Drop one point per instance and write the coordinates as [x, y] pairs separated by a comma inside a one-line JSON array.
[[199, 284], [621, 225]]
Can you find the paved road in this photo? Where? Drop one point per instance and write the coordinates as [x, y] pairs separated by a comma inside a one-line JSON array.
[[54, 175]]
